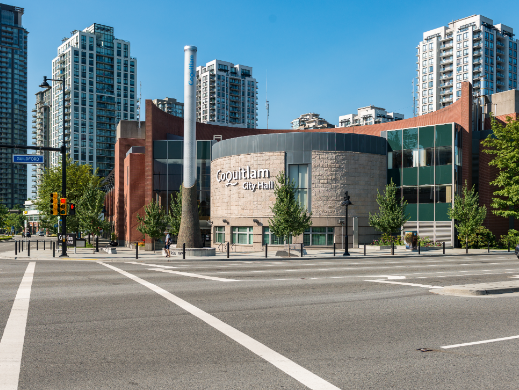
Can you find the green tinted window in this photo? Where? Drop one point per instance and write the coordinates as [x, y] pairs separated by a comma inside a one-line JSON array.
[[410, 176], [394, 174], [410, 139], [410, 209], [441, 211], [444, 174], [394, 139], [175, 149], [160, 149], [426, 137], [203, 150], [426, 175], [426, 212], [444, 135]]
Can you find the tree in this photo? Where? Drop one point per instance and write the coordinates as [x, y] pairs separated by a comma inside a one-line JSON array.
[[175, 212], [154, 221], [15, 219], [290, 218], [391, 216], [504, 145], [4, 212], [468, 215], [79, 178], [89, 210]]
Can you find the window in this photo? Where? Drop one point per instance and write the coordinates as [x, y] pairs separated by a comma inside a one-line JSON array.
[[426, 157], [271, 239], [426, 194], [444, 155], [410, 194], [219, 234], [443, 194], [242, 235], [299, 173], [318, 236], [410, 158]]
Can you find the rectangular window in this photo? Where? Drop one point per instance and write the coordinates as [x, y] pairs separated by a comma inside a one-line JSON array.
[[242, 235], [426, 194], [219, 234], [322, 236], [444, 155], [410, 194], [271, 239], [299, 174], [443, 194]]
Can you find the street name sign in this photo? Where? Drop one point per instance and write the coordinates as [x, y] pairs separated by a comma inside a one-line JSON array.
[[27, 159]]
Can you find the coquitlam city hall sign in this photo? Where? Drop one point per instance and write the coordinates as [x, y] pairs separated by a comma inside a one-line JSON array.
[[232, 178]]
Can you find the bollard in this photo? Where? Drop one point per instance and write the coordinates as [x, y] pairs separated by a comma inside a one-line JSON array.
[[334, 249], [136, 250], [488, 244], [37, 245], [29, 248], [508, 246], [443, 247], [419, 246], [97, 243], [22, 245], [227, 249], [392, 248], [364, 249], [15, 248], [53, 249], [184, 250], [43, 244], [266, 250], [301, 249], [466, 247]]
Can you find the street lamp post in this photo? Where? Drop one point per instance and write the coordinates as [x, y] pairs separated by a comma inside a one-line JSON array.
[[346, 202], [46, 85]]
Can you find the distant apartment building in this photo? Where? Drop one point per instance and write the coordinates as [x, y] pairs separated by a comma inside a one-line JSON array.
[[100, 77], [369, 115], [226, 95], [13, 104], [470, 49], [310, 121], [171, 106], [41, 115]]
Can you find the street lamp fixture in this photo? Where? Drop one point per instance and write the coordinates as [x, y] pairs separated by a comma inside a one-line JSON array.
[[346, 202], [47, 86]]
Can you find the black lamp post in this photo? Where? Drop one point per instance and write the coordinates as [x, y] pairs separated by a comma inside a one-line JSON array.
[[46, 85], [346, 202]]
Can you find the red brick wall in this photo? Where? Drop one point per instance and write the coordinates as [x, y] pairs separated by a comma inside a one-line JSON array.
[[133, 195]]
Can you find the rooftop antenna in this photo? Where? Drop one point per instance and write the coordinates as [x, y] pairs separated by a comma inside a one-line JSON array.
[[266, 98], [139, 105]]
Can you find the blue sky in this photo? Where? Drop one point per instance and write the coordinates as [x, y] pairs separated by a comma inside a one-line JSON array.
[[328, 57]]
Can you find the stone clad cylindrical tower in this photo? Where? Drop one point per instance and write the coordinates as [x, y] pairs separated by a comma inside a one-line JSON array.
[[190, 225]]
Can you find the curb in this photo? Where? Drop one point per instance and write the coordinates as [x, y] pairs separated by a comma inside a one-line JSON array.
[[481, 289]]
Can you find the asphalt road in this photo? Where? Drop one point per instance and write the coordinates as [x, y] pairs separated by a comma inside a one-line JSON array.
[[272, 324]]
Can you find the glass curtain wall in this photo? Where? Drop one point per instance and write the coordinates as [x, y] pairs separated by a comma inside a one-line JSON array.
[[168, 172], [298, 173], [425, 163]]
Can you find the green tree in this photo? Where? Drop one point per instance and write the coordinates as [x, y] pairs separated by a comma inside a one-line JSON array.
[[290, 218], [4, 212], [79, 178], [468, 215], [15, 219], [391, 216], [175, 212], [89, 209], [504, 145], [154, 221]]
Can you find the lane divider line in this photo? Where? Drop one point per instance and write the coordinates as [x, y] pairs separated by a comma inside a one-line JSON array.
[[404, 284], [11, 345], [480, 342], [299, 373]]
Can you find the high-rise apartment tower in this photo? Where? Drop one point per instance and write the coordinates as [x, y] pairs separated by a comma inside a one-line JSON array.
[[226, 95], [470, 49], [171, 106], [13, 104], [101, 79]]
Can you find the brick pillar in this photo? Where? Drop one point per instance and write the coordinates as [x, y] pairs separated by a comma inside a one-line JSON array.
[[466, 124]]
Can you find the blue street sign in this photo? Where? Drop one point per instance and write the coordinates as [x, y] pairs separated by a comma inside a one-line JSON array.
[[27, 159]]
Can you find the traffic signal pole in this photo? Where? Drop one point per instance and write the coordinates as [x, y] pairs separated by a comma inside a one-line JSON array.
[[64, 175]]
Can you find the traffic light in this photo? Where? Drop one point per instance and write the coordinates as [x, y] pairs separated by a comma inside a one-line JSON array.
[[63, 206], [54, 203], [72, 210]]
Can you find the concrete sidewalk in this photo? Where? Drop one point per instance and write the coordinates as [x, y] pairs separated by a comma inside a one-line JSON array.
[[127, 254]]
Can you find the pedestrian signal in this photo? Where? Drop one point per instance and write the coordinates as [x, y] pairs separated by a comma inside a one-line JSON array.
[[72, 210]]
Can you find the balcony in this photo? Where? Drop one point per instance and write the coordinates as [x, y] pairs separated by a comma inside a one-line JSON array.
[[477, 85], [477, 44], [499, 43], [477, 53], [446, 76], [477, 61], [447, 83], [447, 60], [477, 36], [446, 99], [500, 59], [500, 75], [446, 69], [446, 45], [446, 53], [446, 91]]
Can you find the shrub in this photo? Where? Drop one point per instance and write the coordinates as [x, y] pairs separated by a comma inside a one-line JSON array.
[[512, 237], [480, 239]]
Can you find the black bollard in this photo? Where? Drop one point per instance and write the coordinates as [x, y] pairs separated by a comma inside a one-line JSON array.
[[466, 247], [266, 250], [488, 244], [184, 250], [364, 249], [443, 247], [392, 248], [301, 249], [29, 248], [37, 245], [227, 249], [136, 250], [97, 243], [334, 249], [508, 246], [419, 246], [53, 249], [15, 248], [22, 245]]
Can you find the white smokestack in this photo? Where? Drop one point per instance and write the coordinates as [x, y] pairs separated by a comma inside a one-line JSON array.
[[189, 116]]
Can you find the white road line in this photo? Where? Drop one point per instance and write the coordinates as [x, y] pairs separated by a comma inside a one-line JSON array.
[[297, 372], [404, 284], [480, 342], [11, 346], [193, 275]]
